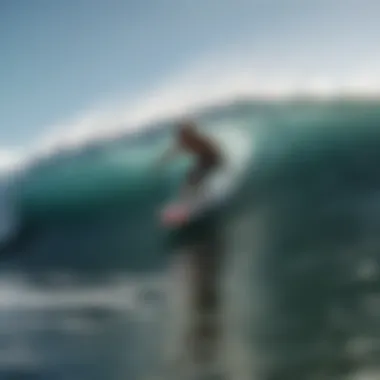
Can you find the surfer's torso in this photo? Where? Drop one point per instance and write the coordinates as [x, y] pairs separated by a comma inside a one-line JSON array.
[[202, 148], [206, 152]]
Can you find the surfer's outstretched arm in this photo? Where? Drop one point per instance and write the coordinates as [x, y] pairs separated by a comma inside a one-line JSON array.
[[169, 155]]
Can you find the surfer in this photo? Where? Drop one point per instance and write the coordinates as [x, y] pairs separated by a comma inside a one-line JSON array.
[[204, 255], [208, 157]]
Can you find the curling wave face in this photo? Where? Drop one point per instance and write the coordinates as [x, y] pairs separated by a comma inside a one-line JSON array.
[[113, 188]]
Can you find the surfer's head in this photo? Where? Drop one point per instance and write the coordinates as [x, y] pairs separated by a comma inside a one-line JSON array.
[[187, 130]]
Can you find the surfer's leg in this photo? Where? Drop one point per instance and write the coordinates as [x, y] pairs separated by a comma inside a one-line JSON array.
[[205, 333]]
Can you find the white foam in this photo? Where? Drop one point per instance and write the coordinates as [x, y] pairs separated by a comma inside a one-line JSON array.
[[17, 292]]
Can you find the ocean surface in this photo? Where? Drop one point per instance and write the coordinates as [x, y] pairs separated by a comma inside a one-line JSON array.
[[87, 278]]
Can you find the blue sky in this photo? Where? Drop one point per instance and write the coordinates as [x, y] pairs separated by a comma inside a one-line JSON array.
[[62, 58]]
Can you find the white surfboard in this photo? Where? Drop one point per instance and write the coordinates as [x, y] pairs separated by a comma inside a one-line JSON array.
[[237, 147]]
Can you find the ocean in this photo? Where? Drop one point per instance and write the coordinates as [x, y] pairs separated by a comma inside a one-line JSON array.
[[86, 268]]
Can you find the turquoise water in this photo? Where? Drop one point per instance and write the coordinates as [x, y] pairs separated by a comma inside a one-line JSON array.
[[300, 238]]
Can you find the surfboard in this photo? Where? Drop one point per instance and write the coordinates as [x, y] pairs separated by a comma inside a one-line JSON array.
[[237, 148]]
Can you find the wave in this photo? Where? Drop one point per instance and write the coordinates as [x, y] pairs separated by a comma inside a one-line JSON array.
[[111, 186], [301, 237], [122, 167]]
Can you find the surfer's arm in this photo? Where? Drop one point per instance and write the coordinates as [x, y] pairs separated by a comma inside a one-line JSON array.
[[169, 155]]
